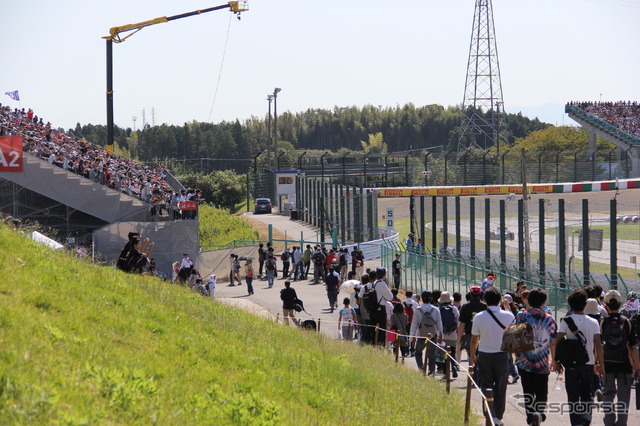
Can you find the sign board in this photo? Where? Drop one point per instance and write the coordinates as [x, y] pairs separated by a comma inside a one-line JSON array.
[[188, 205], [11, 154], [390, 218]]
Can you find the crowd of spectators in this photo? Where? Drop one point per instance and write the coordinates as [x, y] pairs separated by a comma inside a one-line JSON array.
[[65, 150], [624, 115]]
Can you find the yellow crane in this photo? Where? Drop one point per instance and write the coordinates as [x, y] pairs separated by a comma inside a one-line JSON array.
[[115, 36]]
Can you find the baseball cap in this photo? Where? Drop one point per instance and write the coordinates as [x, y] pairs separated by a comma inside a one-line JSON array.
[[475, 289], [613, 295]]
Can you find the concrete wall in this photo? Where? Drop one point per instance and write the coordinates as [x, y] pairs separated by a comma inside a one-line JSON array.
[[171, 240]]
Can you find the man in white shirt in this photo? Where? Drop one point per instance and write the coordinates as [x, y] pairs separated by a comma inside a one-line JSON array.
[[421, 326], [383, 294], [578, 379], [492, 364]]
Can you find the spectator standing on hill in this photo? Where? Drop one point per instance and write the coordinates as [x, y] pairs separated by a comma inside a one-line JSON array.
[[398, 324], [533, 366], [579, 377], [211, 285], [492, 365], [185, 268], [620, 359], [289, 298]]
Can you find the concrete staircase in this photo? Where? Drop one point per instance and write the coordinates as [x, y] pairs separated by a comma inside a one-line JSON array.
[[78, 192]]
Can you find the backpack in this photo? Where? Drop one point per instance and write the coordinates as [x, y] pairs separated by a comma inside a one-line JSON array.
[[370, 299], [449, 324], [615, 338], [428, 323], [270, 265], [285, 256]]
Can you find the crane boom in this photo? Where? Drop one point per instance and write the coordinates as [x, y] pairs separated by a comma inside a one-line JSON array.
[[115, 32], [236, 6]]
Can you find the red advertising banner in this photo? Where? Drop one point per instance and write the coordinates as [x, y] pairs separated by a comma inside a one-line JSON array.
[[187, 205], [11, 154]]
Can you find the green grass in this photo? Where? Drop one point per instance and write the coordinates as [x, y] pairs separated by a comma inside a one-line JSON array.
[[218, 227], [84, 344]]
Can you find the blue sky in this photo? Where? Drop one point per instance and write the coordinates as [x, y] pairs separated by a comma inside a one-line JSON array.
[[321, 53]]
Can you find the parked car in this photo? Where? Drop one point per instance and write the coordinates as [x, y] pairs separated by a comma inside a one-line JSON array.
[[262, 205]]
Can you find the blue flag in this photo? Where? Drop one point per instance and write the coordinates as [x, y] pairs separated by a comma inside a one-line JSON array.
[[13, 95]]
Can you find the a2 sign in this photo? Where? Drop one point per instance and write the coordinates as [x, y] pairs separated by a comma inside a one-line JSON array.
[[10, 154]]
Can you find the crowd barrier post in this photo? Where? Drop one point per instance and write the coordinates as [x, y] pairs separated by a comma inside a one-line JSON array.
[[396, 349], [319, 325], [467, 401], [425, 365], [349, 330], [488, 416], [447, 369], [278, 318], [375, 339]]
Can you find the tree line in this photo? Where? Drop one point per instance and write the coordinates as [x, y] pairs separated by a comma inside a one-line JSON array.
[[402, 128]]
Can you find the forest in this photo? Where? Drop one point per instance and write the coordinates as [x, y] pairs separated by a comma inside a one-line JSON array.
[[403, 128]]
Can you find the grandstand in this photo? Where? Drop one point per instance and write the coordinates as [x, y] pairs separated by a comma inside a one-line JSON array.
[[617, 122], [86, 194]]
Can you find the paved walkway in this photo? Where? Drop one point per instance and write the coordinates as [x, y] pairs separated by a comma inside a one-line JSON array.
[[266, 303]]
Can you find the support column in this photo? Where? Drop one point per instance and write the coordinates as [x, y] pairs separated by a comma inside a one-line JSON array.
[[503, 244], [487, 233], [472, 229], [445, 226], [585, 242], [458, 238], [562, 243], [541, 248], [613, 247]]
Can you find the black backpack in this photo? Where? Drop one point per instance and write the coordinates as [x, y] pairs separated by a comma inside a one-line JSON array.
[[615, 338], [270, 264], [285, 256], [370, 299], [448, 319]]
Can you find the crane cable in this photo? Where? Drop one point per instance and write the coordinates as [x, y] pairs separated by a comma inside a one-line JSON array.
[[224, 52]]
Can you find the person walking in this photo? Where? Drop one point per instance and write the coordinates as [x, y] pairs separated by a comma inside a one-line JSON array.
[[620, 349], [332, 281], [347, 320], [270, 267], [492, 364], [396, 267], [262, 257], [450, 319], [289, 298], [378, 315], [306, 259], [426, 321], [533, 366], [249, 276], [286, 262], [579, 376], [467, 312]]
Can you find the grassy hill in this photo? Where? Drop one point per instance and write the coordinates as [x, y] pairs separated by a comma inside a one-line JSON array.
[[81, 343]]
